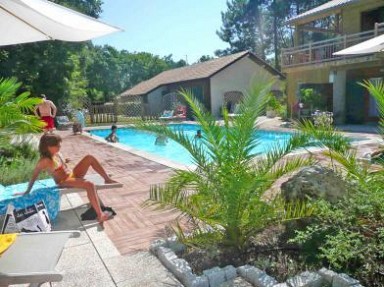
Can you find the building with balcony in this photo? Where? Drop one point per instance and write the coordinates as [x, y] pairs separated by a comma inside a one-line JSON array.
[[310, 63]]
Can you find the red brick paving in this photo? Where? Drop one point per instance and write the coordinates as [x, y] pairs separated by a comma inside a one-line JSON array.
[[135, 226]]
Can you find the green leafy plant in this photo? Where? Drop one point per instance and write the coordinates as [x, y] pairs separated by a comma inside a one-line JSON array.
[[16, 110], [273, 103], [224, 194], [16, 161], [312, 99], [348, 234]]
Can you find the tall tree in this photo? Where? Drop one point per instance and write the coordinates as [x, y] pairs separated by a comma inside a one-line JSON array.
[[259, 26], [47, 67]]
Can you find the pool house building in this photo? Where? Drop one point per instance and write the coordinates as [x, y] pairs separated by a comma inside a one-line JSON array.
[[215, 83]]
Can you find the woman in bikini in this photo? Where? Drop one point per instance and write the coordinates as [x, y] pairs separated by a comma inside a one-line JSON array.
[[52, 162]]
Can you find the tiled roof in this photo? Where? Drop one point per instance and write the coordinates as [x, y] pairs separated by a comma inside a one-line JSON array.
[[322, 8], [194, 72]]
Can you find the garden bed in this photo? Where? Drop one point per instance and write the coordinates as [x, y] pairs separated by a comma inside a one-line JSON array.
[[167, 250]]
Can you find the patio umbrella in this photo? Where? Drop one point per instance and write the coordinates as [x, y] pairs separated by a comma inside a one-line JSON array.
[[23, 21], [373, 45]]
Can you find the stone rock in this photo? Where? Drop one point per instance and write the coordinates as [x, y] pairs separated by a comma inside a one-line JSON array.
[[314, 182], [256, 276], [200, 281], [244, 270], [306, 279], [216, 276], [154, 247], [343, 280], [327, 274], [230, 272]]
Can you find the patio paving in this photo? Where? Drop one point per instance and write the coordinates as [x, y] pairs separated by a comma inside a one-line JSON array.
[[134, 227], [118, 254]]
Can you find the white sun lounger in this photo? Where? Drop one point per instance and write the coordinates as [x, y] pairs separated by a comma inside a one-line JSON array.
[[32, 258]]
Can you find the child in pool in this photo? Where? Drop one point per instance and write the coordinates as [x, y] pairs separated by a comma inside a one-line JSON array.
[[198, 134], [161, 140], [52, 162], [112, 137]]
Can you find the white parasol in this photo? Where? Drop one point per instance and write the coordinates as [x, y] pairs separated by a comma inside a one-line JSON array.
[[373, 45], [24, 21]]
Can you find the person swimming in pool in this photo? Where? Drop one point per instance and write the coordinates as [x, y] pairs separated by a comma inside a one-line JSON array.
[[161, 140], [52, 161]]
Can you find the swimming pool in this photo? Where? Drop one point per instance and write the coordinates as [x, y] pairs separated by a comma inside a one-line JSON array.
[[145, 141]]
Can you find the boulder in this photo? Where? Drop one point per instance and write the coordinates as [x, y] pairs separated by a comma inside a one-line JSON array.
[[314, 182]]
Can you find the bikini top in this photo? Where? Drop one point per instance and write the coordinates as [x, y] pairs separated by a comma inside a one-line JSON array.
[[58, 162]]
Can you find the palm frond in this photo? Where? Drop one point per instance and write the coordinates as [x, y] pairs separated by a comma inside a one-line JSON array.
[[377, 91], [15, 110]]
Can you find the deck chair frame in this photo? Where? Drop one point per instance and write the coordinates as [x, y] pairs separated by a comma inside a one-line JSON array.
[[32, 258]]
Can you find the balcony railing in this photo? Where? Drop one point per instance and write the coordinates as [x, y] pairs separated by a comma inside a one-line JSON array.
[[322, 51]]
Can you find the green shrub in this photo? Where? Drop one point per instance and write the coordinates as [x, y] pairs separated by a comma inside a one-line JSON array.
[[348, 235], [16, 162], [17, 170]]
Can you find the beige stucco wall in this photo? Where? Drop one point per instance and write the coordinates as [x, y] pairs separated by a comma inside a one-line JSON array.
[[236, 77], [352, 17], [154, 101], [313, 76]]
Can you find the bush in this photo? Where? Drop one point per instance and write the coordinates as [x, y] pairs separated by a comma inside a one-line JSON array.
[[16, 162]]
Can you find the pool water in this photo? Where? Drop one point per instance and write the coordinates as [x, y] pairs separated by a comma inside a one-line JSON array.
[[145, 141]]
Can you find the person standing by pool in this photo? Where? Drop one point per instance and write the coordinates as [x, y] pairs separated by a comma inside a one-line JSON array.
[[52, 161], [112, 137], [46, 111]]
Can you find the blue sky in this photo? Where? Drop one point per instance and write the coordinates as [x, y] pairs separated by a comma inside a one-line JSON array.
[[183, 28]]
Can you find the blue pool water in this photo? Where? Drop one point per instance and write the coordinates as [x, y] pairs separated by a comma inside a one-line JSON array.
[[173, 151]]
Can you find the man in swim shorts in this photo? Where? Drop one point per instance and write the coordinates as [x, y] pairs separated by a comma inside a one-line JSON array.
[[46, 111]]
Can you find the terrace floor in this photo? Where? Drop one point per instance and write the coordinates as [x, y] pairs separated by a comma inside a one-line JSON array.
[[118, 254]]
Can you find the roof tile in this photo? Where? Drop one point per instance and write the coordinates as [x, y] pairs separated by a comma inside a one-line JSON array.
[[322, 8], [188, 73]]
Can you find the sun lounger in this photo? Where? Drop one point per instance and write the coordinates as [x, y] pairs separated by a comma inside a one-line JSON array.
[[32, 258], [48, 191], [235, 112], [63, 123], [180, 113]]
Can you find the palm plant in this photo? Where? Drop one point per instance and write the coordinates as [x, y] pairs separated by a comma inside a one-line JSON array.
[[226, 190], [16, 111]]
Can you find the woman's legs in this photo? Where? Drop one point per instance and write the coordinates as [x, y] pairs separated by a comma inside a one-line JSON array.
[[82, 167], [91, 193]]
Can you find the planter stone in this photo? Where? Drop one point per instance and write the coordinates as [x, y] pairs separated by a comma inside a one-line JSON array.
[[343, 280], [306, 279], [327, 275], [175, 245], [156, 244], [230, 272], [200, 281], [256, 276], [244, 270], [166, 256], [216, 276]]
